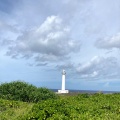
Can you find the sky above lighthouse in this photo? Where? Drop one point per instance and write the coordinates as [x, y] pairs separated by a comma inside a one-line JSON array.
[[39, 38]]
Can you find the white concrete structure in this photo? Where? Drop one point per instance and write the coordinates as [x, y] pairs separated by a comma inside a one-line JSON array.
[[63, 83]]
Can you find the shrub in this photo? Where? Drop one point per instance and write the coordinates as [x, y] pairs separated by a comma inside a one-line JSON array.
[[5, 104], [25, 92], [51, 110]]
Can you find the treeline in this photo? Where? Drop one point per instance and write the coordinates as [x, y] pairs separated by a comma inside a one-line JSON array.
[[22, 91]]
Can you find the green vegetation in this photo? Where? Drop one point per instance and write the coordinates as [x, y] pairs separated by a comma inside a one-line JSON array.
[[11, 110], [25, 92], [74, 107], [80, 107]]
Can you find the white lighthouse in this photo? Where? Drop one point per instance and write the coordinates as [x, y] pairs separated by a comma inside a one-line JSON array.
[[63, 83]]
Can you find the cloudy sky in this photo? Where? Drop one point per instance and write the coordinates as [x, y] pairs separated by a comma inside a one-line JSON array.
[[39, 38]]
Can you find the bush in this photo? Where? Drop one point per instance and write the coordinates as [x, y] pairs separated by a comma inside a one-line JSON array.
[[51, 110], [80, 107], [25, 92], [5, 104]]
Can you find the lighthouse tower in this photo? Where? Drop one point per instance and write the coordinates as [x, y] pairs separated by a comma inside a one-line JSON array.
[[63, 83]]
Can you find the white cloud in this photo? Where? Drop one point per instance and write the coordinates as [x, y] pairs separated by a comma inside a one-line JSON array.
[[94, 74], [50, 41], [99, 67], [85, 68], [109, 42], [28, 30]]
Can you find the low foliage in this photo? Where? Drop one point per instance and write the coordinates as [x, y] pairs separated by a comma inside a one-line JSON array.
[[5, 104], [11, 110], [25, 92], [41, 104], [81, 107]]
